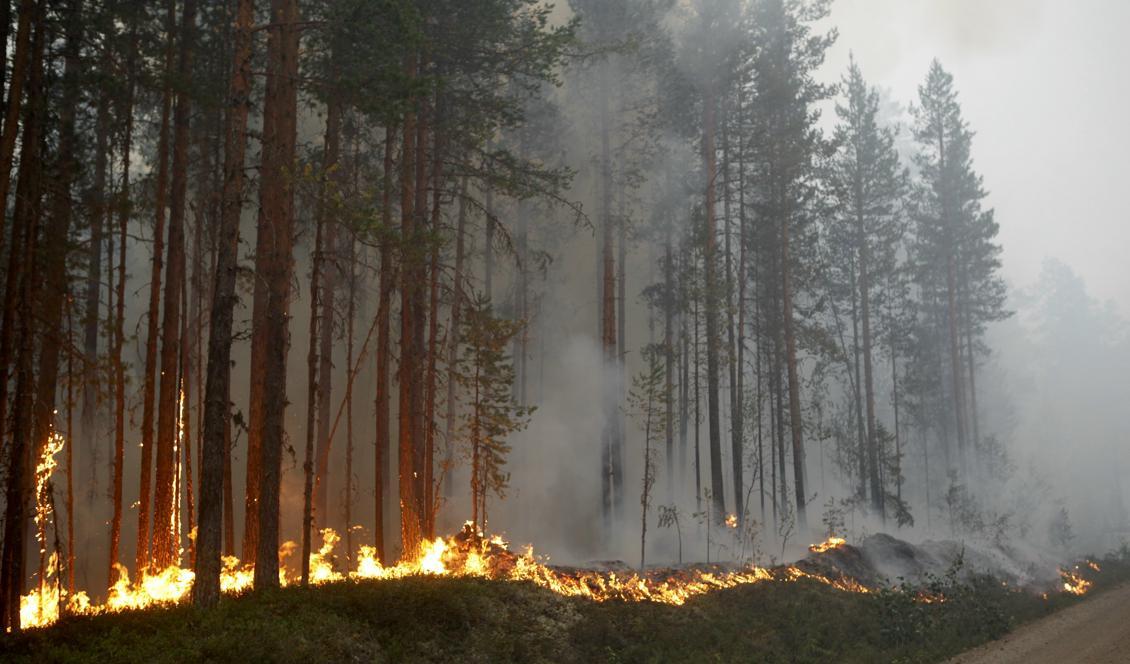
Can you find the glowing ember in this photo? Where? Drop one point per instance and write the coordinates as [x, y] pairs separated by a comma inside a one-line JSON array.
[[827, 545], [43, 470]]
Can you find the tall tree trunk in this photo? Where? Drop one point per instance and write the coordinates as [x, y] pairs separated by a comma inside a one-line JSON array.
[[795, 423], [874, 457], [409, 518], [328, 261], [99, 213], [184, 435], [215, 470], [166, 542], [49, 293], [436, 181], [743, 242], [894, 389], [419, 309], [669, 356], [384, 342], [607, 310], [737, 432], [316, 260], [14, 101], [854, 368], [711, 286], [17, 297], [151, 340], [123, 210], [276, 209], [453, 336], [350, 315]]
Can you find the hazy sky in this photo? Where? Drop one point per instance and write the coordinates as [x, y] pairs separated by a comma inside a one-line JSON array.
[[1045, 85]]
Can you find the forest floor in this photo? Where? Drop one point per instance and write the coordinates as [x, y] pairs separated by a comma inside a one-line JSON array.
[[1093, 632], [444, 619]]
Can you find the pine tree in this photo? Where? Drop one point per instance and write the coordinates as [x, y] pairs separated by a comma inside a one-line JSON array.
[[867, 183], [485, 376]]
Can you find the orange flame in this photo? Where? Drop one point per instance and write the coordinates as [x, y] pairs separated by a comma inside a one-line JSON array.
[[1074, 583], [827, 545]]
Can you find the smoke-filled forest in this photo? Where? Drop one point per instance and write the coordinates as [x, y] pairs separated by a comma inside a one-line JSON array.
[[316, 292]]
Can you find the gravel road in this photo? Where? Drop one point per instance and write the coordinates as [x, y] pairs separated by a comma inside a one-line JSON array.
[[1095, 630]]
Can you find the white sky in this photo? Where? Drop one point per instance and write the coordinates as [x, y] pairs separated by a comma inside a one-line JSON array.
[[1046, 85]]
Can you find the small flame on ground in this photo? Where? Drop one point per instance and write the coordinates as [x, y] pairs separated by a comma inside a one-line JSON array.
[[1074, 583], [827, 545], [731, 520]]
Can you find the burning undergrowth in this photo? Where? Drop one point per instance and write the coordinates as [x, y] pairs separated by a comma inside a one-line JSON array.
[[469, 554]]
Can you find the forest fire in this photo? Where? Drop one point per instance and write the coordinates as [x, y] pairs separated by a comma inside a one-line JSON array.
[[1073, 582], [466, 554], [827, 545]]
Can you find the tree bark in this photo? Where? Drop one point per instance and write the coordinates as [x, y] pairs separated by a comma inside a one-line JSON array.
[[795, 423], [276, 212], [14, 101], [215, 464], [316, 259], [123, 210], [327, 274], [384, 342], [98, 216], [150, 386], [166, 539], [17, 297], [453, 334], [409, 517], [712, 336]]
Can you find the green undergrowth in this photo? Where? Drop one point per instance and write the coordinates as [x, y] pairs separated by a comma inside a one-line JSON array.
[[474, 620]]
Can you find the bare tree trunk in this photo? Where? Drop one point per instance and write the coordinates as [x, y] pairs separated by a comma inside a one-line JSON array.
[[350, 315], [737, 455], [669, 356], [384, 307], [165, 536], [276, 207], [853, 369], [418, 409], [20, 54], [119, 322], [607, 310], [409, 519], [185, 433], [150, 387], [90, 387], [327, 260], [18, 297], [795, 423], [215, 466], [743, 243], [874, 458], [436, 181], [453, 335], [712, 305], [49, 294], [316, 260]]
